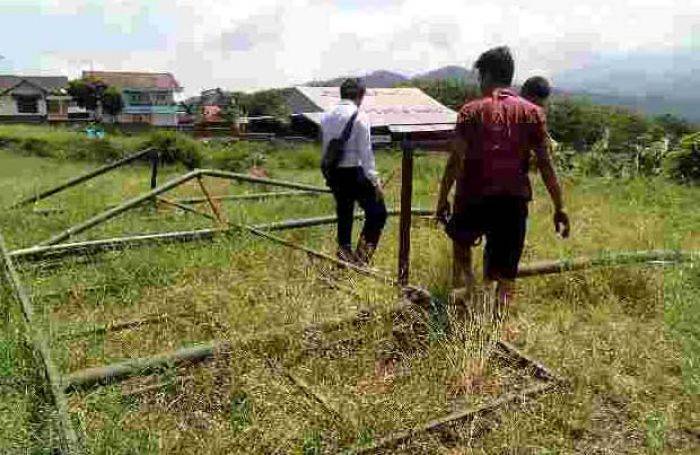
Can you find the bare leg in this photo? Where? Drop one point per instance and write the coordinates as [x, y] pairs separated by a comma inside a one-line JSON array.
[[462, 272], [504, 297]]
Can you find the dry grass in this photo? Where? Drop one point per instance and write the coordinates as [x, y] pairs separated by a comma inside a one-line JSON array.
[[626, 338]]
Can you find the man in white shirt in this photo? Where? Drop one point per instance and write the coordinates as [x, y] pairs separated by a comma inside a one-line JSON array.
[[356, 178]]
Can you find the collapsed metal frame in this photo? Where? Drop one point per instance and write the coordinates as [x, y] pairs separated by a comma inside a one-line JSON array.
[[51, 248]]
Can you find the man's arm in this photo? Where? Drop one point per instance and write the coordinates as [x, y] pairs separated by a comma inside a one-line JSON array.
[[449, 176], [364, 144], [549, 177]]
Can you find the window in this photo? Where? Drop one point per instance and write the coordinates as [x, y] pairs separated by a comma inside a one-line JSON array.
[[27, 104]]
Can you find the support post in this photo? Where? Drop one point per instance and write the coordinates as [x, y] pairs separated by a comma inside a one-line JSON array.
[[405, 217], [215, 210]]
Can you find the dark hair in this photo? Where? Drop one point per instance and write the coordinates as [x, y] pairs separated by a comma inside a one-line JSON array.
[[536, 87], [498, 63], [352, 88]]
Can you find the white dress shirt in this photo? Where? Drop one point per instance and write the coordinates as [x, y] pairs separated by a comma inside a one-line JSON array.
[[358, 148]]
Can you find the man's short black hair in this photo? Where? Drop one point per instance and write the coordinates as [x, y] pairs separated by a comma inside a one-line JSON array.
[[498, 63], [536, 87], [351, 88]]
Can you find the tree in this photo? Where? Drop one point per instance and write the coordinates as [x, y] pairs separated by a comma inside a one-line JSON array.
[[87, 92]]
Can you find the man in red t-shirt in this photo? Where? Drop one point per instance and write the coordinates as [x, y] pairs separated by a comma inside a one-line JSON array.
[[494, 138]]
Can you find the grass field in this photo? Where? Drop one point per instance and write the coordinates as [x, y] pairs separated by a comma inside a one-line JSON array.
[[627, 338]]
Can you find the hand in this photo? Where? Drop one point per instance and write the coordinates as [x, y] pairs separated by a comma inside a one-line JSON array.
[[442, 212], [561, 223], [379, 192]]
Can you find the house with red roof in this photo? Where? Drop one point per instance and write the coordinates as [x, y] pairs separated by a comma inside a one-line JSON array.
[[149, 98]]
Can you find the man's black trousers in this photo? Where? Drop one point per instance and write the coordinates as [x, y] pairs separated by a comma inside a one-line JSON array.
[[351, 185]]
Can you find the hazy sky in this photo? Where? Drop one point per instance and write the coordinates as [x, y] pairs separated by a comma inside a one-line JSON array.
[[248, 44]]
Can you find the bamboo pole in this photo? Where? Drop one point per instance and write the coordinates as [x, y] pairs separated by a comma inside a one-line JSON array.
[[111, 213], [69, 438], [405, 223], [81, 178]]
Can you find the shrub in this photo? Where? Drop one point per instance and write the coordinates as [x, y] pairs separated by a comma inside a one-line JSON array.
[[240, 156], [298, 157], [683, 165], [176, 148]]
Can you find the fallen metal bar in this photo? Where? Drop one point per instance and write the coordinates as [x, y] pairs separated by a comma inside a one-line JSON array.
[[250, 179], [605, 260], [68, 436], [356, 268], [184, 207], [116, 372], [115, 244], [81, 178], [459, 415], [141, 366], [323, 220], [245, 197], [540, 369], [95, 246], [111, 213], [307, 390], [116, 327]]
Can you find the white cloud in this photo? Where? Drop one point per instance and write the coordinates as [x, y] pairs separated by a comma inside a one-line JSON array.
[[263, 43]]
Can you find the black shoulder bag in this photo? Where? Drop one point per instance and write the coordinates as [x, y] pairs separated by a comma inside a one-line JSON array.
[[335, 150]]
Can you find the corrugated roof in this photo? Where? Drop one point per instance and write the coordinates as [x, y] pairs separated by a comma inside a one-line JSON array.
[[125, 79], [409, 107], [48, 83]]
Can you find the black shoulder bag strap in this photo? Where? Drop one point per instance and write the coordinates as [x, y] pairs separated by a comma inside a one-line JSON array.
[[347, 131]]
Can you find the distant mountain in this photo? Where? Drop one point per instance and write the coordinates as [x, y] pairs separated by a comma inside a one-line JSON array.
[[656, 83], [448, 72], [376, 79]]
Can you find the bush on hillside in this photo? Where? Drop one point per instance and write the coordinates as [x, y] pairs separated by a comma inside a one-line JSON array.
[[683, 165]]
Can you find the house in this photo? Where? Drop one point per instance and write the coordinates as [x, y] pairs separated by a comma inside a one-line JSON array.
[[34, 98], [149, 98], [393, 112]]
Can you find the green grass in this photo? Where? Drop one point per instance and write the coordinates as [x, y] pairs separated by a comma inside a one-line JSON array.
[[627, 338]]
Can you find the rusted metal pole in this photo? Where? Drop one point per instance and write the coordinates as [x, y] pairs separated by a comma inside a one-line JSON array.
[[69, 438], [323, 220], [81, 178], [155, 158], [215, 210], [262, 181], [111, 213], [405, 217]]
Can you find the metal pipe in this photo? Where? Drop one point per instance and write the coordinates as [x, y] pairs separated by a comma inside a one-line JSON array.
[[81, 178], [605, 260], [95, 246], [111, 213], [146, 365], [245, 197], [69, 438], [260, 180]]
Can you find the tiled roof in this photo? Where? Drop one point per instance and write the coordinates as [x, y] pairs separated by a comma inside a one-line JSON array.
[[48, 83], [385, 106], [124, 79]]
